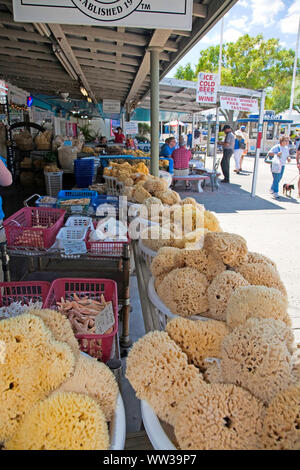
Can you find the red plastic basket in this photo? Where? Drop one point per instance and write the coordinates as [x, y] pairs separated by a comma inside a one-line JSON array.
[[23, 292], [98, 346], [33, 227], [106, 249]]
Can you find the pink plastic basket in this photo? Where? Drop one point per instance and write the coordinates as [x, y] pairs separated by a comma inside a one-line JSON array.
[[98, 346], [23, 292], [33, 227]]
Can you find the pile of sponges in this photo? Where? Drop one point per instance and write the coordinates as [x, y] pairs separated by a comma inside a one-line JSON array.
[[221, 389], [218, 280], [52, 397]]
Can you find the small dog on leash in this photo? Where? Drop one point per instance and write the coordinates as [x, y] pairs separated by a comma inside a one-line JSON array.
[[287, 189]]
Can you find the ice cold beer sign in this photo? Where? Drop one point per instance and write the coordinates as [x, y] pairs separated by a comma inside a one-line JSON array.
[[135, 13], [107, 10]]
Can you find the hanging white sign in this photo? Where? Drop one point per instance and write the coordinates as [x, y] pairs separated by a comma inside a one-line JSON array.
[[234, 103], [207, 88], [176, 14], [111, 107]]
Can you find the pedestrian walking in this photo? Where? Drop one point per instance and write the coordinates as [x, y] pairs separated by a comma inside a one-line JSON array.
[[298, 165], [228, 149], [279, 156]]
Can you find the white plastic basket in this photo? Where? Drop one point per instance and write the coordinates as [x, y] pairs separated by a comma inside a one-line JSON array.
[[80, 222], [53, 182], [114, 187], [147, 254], [70, 234], [154, 429], [162, 310]]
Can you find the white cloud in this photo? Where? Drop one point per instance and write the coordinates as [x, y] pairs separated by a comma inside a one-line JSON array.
[[243, 3], [264, 12], [232, 35], [241, 23], [289, 24]]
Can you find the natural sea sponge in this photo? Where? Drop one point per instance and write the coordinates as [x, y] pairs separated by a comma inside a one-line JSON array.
[[189, 200], [203, 261], [168, 197], [184, 292], [140, 194], [95, 379], [211, 222], [129, 182], [225, 417], [256, 301], [198, 339], [281, 427], [257, 356], [60, 327], [262, 275], [220, 290], [128, 192], [156, 185], [64, 421], [229, 247], [156, 237], [152, 201], [160, 374], [259, 258], [195, 238], [35, 364], [165, 261]]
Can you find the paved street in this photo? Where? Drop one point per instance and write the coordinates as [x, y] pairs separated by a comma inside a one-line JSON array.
[[270, 227]]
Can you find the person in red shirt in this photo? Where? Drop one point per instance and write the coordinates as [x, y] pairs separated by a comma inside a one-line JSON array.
[[119, 136], [181, 158]]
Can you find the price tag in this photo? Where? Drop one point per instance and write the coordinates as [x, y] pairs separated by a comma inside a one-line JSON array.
[[105, 320]]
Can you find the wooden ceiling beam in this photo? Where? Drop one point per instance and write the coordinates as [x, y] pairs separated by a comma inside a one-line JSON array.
[[107, 34], [199, 10], [69, 54], [30, 55], [109, 58], [19, 34], [106, 46], [27, 46], [110, 66], [30, 63], [159, 39]]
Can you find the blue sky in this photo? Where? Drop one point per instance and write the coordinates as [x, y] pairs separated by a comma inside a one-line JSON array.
[[272, 18]]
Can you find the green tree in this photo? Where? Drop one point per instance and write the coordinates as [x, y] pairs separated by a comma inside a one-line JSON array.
[[250, 62], [185, 73]]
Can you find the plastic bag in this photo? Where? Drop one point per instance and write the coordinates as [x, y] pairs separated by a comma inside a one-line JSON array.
[[276, 164]]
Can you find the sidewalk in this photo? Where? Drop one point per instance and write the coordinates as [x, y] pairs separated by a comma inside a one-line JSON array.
[[270, 227]]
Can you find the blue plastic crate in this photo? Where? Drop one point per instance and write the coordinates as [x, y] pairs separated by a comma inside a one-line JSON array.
[[84, 172], [39, 203], [77, 194]]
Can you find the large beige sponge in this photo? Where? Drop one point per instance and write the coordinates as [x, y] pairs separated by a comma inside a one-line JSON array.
[[165, 261], [223, 417], [258, 274], [220, 291], [60, 326], [156, 237], [254, 257], [95, 379], [258, 302], [34, 365], [258, 357], [211, 222], [281, 427], [198, 339], [64, 421], [229, 247], [184, 292], [203, 261], [160, 374]]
